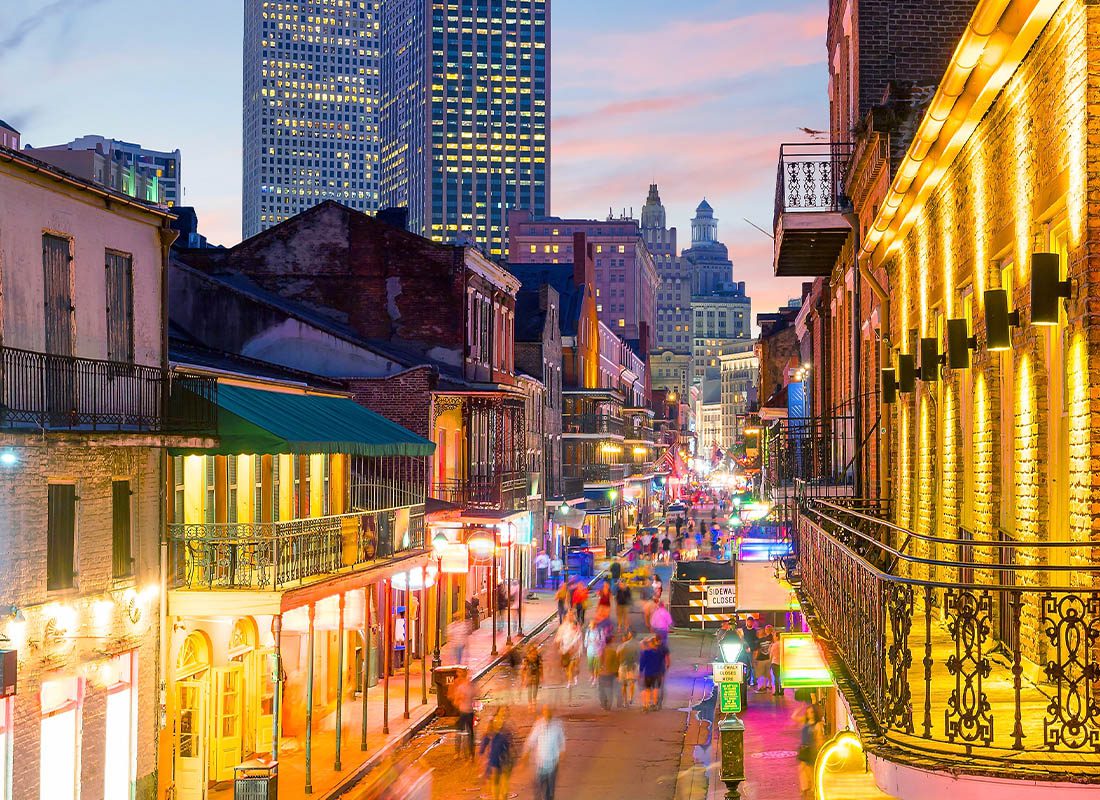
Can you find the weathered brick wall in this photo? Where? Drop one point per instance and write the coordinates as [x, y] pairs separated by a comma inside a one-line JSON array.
[[91, 465], [1019, 181], [404, 398]]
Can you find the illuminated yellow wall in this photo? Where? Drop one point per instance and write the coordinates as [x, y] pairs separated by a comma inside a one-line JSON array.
[[1019, 185]]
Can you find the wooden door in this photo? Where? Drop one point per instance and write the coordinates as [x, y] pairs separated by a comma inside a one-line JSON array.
[[191, 739], [226, 738], [261, 701]]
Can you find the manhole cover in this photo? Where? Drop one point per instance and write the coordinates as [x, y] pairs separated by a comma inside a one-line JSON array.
[[770, 754]]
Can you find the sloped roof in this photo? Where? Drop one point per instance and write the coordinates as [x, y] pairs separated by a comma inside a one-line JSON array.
[[560, 276]]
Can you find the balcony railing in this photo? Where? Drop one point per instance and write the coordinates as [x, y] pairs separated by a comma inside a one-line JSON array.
[[52, 392], [810, 177], [934, 634], [281, 555], [506, 491], [596, 473], [592, 424], [568, 488]]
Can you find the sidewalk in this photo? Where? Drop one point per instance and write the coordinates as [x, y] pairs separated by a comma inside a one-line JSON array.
[[328, 782]]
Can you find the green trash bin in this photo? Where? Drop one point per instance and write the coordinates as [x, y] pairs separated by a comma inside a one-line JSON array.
[[256, 779]]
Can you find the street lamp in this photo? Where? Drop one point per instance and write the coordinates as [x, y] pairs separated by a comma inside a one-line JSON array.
[[439, 541]]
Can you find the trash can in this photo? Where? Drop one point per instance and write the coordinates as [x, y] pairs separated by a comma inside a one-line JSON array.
[[256, 779], [612, 547], [442, 678]]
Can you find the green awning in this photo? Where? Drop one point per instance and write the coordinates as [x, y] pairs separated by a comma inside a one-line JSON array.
[[268, 422]]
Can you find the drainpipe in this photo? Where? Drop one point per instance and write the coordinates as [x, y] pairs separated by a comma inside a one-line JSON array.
[[167, 235]]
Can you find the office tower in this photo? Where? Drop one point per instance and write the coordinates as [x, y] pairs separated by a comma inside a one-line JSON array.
[[311, 83], [150, 175], [465, 115]]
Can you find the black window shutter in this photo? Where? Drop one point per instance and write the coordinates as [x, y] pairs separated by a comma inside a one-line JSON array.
[[60, 536], [121, 531]]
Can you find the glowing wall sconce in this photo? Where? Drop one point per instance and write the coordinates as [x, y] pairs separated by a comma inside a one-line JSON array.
[[930, 359], [907, 372], [889, 386], [959, 344], [1046, 288], [999, 320]]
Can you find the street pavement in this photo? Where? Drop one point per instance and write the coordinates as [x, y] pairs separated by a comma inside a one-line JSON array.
[[626, 753]]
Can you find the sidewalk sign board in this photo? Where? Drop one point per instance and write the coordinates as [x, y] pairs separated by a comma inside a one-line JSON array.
[[729, 698], [727, 673]]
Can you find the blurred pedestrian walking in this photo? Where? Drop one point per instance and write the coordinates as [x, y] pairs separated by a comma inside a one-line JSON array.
[[568, 639], [594, 641], [608, 674], [532, 675], [499, 752], [463, 694], [628, 668], [545, 744]]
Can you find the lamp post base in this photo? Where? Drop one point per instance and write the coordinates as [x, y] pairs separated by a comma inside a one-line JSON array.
[[732, 790]]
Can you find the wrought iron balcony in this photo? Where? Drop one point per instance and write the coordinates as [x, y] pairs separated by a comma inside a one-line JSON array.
[[809, 223], [935, 636], [592, 424], [281, 555], [503, 491], [596, 473], [52, 392]]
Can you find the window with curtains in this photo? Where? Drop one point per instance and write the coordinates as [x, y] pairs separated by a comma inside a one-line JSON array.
[[276, 489], [122, 561], [60, 536], [120, 306]]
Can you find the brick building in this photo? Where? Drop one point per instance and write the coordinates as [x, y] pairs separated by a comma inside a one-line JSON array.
[[983, 239], [87, 410], [625, 275]]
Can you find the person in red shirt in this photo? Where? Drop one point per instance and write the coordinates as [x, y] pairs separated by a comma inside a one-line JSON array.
[[580, 597]]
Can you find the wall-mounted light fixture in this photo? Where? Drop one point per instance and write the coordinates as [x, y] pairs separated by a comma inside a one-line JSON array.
[[959, 344], [999, 320], [8, 458], [907, 372], [1046, 288], [930, 359], [889, 386]]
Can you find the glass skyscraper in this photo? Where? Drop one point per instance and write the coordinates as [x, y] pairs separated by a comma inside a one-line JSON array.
[[311, 90], [465, 115]]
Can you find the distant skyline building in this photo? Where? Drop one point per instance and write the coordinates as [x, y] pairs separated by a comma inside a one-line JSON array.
[[673, 331], [465, 115], [125, 167], [311, 94], [721, 323], [626, 277], [707, 260]]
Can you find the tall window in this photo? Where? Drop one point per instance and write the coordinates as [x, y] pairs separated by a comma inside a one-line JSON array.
[[120, 755], [6, 739], [121, 532], [120, 306], [60, 536]]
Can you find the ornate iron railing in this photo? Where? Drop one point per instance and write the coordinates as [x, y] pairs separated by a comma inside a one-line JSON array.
[[596, 473], [810, 177], [592, 423], [279, 555], [502, 491], [982, 652], [816, 451], [46, 391]]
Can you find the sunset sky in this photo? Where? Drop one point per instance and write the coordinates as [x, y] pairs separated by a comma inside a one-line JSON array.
[[696, 96]]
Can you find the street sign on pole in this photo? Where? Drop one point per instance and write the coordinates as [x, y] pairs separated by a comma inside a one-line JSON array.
[[727, 673], [722, 596], [729, 698]]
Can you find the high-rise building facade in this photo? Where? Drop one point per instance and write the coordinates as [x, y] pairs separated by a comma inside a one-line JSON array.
[[673, 332], [311, 89], [626, 277], [465, 115], [707, 260]]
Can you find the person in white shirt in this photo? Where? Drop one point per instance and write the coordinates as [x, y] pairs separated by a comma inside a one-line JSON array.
[[556, 567], [542, 567], [545, 745]]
